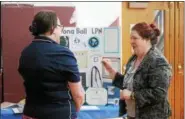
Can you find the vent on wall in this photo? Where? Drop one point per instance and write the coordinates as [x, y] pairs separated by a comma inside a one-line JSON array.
[[138, 5]]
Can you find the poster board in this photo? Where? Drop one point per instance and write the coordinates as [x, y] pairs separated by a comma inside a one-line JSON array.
[[90, 46]]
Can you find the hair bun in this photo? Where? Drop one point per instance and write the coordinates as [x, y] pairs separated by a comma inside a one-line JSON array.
[[33, 28], [156, 30], [30, 28], [153, 26]]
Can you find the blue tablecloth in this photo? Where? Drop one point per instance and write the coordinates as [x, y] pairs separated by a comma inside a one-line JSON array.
[[87, 112]]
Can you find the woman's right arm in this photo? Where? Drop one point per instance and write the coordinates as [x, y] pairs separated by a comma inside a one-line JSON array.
[[78, 93], [115, 76], [118, 81]]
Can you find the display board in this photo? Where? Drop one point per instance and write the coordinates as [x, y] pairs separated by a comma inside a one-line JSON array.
[[90, 46]]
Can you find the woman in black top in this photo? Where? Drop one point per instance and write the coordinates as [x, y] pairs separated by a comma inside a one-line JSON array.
[[50, 72]]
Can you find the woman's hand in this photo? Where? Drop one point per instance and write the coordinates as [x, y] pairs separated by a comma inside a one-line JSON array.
[[125, 94], [107, 64]]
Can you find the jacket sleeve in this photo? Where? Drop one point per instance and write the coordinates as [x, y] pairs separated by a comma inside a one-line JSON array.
[[118, 81], [158, 82], [119, 78]]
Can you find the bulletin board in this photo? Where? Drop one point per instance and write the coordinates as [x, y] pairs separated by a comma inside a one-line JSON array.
[[90, 46]]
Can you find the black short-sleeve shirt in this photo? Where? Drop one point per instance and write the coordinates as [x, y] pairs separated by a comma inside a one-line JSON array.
[[46, 68]]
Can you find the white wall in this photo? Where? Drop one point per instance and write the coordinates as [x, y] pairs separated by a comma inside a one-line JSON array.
[[88, 14], [97, 14]]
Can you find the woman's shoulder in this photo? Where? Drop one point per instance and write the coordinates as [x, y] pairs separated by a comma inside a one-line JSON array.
[[62, 49], [157, 58]]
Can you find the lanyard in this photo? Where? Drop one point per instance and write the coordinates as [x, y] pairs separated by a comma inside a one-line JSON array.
[[95, 72]]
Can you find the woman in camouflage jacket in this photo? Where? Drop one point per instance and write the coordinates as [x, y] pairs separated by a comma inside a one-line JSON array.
[[147, 77]]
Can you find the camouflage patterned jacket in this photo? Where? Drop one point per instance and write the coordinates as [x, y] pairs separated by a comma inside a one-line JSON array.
[[150, 85]]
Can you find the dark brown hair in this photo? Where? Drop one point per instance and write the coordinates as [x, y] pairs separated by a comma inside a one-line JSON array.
[[43, 22], [147, 31]]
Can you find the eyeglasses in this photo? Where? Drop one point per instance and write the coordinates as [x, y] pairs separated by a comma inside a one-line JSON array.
[[61, 26]]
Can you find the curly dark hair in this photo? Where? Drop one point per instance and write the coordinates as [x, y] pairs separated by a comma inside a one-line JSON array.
[[147, 31]]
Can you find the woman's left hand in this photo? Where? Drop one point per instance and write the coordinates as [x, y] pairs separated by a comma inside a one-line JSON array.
[[126, 94]]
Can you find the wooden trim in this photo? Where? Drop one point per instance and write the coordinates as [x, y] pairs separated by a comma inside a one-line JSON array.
[[167, 43], [167, 52], [171, 57], [162, 5], [177, 81], [126, 48], [181, 56]]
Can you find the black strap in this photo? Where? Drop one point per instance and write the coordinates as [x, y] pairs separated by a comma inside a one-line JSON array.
[[94, 68]]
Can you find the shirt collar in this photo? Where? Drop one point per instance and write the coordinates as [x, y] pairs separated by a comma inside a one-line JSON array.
[[44, 39]]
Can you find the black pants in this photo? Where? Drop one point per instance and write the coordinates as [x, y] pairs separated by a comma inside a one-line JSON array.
[[50, 111], [128, 117], [122, 108]]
